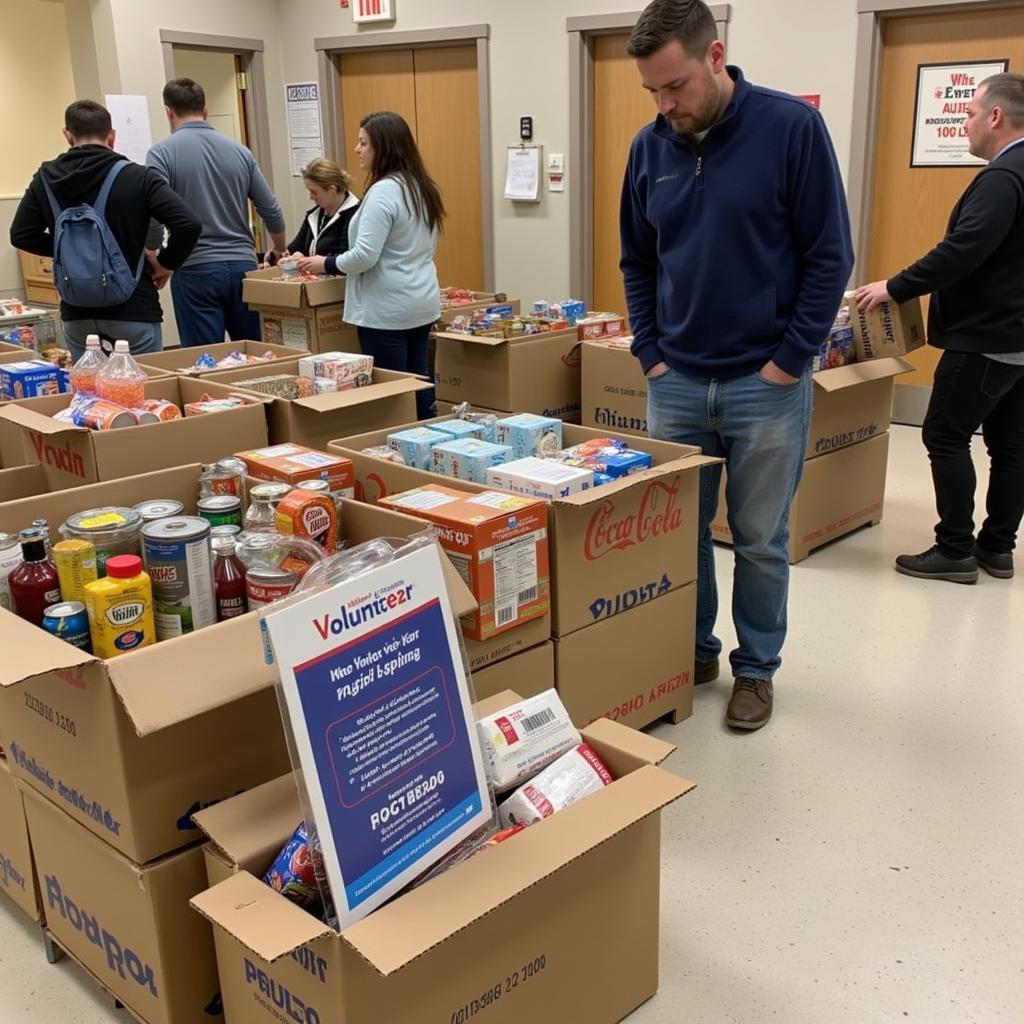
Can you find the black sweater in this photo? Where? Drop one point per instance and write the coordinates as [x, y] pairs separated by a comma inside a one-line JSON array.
[[332, 240], [138, 194], [975, 272]]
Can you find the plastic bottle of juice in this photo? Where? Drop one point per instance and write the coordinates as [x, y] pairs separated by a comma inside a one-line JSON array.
[[83, 373], [122, 380], [120, 608], [34, 584]]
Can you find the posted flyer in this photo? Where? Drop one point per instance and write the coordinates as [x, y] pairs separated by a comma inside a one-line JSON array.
[[383, 725]]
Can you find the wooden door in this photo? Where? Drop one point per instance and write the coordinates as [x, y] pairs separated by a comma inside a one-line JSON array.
[[435, 90], [621, 108], [448, 132], [911, 205]]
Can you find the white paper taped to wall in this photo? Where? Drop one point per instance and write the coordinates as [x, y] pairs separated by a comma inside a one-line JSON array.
[[130, 118], [522, 178]]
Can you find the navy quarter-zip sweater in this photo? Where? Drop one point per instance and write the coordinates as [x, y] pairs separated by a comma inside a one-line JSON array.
[[737, 251]]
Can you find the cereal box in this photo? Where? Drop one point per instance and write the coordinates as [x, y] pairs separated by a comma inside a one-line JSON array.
[[414, 445], [468, 459], [540, 478], [528, 434]]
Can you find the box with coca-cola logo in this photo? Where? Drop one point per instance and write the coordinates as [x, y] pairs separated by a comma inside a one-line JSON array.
[[612, 548]]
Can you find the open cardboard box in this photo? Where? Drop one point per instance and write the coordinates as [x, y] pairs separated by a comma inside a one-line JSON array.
[[480, 937], [74, 455], [24, 481], [481, 300], [838, 493], [890, 329], [183, 360], [537, 373], [528, 673], [18, 881], [131, 747], [389, 400], [127, 925], [611, 546]]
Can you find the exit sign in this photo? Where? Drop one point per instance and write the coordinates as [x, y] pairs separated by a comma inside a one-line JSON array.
[[373, 10]]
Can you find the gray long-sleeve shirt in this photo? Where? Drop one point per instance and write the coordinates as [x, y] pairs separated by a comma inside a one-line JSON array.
[[216, 176]]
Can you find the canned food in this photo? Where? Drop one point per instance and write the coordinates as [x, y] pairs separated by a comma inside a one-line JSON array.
[[113, 530], [180, 563], [263, 586], [159, 508], [161, 409], [143, 417], [320, 486], [221, 510], [76, 566], [272, 492], [68, 622], [99, 414]]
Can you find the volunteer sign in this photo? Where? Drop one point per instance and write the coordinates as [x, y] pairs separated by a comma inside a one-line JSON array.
[[379, 705], [940, 112]]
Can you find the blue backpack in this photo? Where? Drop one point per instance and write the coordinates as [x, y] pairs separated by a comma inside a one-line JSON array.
[[89, 268]]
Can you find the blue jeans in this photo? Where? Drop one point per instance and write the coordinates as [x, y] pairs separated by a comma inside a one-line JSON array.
[[142, 337], [760, 429], [208, 302], [405, 351]]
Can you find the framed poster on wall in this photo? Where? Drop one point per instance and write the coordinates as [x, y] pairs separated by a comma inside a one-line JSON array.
[[940, 112]]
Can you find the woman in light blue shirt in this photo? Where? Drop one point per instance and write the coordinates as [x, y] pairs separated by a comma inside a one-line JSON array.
[[392, 295]]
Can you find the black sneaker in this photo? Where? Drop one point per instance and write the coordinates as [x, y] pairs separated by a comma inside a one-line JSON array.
[[995, 563], [934, 565]]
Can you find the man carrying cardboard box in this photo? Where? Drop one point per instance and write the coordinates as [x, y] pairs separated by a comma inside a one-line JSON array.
[[976, 317], [735, 253]]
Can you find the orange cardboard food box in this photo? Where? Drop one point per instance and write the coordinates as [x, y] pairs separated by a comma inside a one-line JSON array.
[[499, 544], [293, 463]]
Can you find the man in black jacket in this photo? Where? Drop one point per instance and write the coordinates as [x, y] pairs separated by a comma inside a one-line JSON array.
[[138, 194], [976, 316]]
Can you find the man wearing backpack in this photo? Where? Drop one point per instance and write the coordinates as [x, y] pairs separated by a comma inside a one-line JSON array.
[[91, 210], [217, 177]]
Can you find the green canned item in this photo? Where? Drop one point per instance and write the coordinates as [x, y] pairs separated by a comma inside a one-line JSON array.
[[221, 510]]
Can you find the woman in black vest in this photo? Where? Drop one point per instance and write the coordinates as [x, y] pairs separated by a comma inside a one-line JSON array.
[[324, 230]]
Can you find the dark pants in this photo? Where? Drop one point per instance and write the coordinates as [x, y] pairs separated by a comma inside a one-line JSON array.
[[208, 302], [972, 391], [405, 351]]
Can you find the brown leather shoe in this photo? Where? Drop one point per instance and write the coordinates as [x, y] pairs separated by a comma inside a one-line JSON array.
[[705, 671], [750, 706]]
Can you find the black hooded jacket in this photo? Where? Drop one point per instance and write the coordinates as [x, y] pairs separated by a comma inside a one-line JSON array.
[[138, 194]]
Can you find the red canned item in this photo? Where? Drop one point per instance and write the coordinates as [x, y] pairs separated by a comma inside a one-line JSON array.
[[264, 586]]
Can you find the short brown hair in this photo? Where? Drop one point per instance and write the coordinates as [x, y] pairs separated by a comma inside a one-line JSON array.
[[325, 173], [184, 96], [1005, 91], [87, 119], [689, 21]]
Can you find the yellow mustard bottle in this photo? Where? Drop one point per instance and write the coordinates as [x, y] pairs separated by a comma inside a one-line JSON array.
[[120, 608]]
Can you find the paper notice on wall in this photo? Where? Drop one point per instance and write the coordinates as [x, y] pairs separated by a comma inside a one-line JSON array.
[[305, 139], [522, 178], [130, 117], [382, 720]]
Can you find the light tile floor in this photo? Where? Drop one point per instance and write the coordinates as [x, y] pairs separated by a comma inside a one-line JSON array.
[[857, 861]]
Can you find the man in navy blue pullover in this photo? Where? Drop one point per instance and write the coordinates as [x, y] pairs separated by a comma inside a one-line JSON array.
[[735, 254]]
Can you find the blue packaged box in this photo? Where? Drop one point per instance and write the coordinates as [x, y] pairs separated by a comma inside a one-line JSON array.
[[469, 459], [528, 434], [459, 430], [33, 378], [415, 445], [504, 310]]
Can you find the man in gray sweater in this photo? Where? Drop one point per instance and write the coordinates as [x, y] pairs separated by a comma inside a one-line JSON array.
[[216, 177]]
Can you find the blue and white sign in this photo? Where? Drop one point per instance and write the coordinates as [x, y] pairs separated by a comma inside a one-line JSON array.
[[382, 719]]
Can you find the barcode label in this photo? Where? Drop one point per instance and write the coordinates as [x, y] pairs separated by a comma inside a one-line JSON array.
[[505, 614], [542, 717], [526, 596]]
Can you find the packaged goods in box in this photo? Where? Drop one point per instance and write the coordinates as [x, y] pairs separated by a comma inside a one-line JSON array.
[[415, 445], [540, 478], [498, 543], [211, 359], [293, 463], [608, 457], [600, 325], [838, 348], [468, 459], [33, 378], [347, 369], [528, 434], [459, 430]]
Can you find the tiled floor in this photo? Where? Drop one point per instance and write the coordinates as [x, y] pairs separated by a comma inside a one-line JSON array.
[[860, 859]]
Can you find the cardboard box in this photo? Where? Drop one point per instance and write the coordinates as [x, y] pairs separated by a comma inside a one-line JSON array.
[[890, 329], [300, 314], [481, 300], [614, 389], [389, 400], [528, 673], [132, 747], [18, 881], [499, 544], [128, 925], [480, 939], [74, 455], [537, 373], [293, 463], [482, 653], [635, 667], [182, 360], [633, 538], [838, 494], [23, 482]]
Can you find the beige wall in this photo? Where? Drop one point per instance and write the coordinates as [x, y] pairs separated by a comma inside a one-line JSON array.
[[215, 72]]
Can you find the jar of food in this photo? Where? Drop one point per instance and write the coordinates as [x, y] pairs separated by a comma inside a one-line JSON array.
[[113, 531]]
